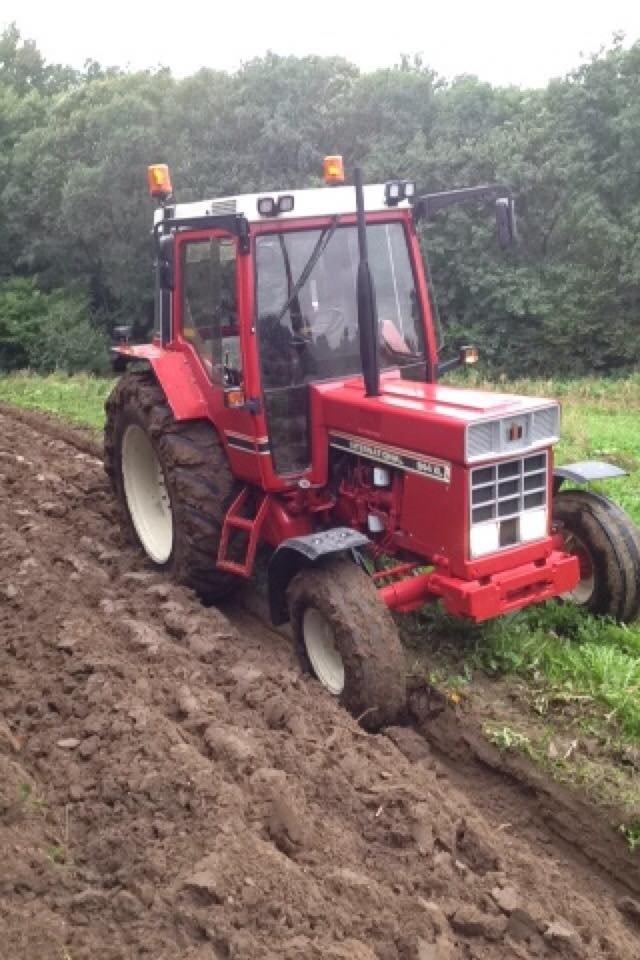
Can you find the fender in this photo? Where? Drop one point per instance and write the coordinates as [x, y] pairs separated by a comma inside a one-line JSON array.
[[585, 471], [305, 551], [174, 375]]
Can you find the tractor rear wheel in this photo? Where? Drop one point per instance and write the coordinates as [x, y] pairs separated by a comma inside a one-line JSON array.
[[172, 481], [607, 544], [349, 640]]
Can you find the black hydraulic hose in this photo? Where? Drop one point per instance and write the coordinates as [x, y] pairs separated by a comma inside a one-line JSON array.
[[366, 299]]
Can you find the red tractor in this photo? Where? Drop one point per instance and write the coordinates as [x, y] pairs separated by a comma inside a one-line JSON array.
[[289, 400]]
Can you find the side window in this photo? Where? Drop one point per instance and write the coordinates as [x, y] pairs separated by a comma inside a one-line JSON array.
[[209, 310]]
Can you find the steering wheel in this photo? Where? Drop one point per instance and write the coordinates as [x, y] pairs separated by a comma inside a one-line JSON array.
[[327, 322]]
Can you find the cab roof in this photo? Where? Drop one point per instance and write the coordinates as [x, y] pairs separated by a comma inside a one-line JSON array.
[[316, 202]]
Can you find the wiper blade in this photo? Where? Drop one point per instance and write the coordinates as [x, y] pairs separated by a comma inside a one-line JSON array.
[[306, 272], [287, 263]]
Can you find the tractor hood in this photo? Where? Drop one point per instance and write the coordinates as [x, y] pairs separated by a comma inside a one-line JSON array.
[[454, 424]]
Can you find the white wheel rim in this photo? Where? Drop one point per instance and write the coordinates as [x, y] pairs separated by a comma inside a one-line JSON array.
[[146, 493], [326, 661], [583, 590]]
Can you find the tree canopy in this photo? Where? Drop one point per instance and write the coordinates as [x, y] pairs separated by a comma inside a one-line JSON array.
[[75, 216]]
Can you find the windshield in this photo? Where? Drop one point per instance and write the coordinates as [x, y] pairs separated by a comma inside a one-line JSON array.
[[306, 303]]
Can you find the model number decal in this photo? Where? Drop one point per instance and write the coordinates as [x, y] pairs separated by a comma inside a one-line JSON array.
[[403, 460]]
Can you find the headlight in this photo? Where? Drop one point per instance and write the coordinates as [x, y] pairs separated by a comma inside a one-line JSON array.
[[485, 538], [533, 525]]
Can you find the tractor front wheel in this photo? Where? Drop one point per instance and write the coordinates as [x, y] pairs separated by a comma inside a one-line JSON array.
[[172, 481], [607, 545], [349, 640]]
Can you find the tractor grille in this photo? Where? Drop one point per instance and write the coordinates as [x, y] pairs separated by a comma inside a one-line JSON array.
[[480, 440], [513, 434], [505, 490], [546, 424]]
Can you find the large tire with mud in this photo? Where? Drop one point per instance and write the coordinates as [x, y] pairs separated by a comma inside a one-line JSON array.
[[172, 481], [348, 639], [607, 544]]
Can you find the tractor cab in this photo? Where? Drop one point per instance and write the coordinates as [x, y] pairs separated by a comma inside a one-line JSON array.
[[260, 292]]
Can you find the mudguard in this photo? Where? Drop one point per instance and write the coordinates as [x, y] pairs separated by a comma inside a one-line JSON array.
[[174, 375], [299, 552], [585, 471]]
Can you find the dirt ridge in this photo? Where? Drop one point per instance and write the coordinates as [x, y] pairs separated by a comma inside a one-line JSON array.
[[577, 821]]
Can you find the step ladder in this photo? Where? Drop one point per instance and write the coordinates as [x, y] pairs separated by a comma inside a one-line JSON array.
[[251, 526]]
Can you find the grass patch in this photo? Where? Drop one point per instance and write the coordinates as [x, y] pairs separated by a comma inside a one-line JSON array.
[[551, 684], [569, 661], [506, 738], [582, 659], [631, 833], [79, 399], [56, 854]]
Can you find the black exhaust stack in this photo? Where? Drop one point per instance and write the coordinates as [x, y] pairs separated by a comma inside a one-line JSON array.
[[366, 296]]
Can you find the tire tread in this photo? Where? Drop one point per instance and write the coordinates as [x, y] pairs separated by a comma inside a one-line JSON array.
[[365, 634], [198, 476], [615, 544]]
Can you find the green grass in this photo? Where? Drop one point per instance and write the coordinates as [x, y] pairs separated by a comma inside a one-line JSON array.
[[581, 659], [506, 738], [631, 833], [78, 399]]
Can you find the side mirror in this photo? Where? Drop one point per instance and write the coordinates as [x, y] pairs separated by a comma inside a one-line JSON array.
[[165, 261], [506, 222], [121, 335], [467, 356]]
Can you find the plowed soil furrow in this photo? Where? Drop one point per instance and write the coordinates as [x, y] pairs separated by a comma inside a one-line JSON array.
[[172, 786]]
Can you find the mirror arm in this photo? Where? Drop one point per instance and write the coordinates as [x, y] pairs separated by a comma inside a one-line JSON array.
[[445, 365], [425, 206], [467, 357]]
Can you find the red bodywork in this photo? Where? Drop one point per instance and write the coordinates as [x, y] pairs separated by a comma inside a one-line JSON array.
[[426, 518]]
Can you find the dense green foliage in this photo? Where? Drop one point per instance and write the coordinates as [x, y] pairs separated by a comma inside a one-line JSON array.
[[74, 212], [47, 331]]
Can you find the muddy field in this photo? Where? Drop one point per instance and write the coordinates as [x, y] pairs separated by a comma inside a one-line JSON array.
[[172, 786]]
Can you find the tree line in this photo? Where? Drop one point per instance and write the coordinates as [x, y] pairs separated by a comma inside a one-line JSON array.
[[75, 253]]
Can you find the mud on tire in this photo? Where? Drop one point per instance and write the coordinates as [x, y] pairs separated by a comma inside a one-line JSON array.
[[363, 633], [196, 473], [598, 527]]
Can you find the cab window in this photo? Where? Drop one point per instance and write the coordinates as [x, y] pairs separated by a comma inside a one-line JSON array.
[[307, 321], [209, 309]]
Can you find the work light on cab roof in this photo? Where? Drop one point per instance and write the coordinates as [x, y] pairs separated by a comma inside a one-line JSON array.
[[292, 403], [159, 181], [333, 170]]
